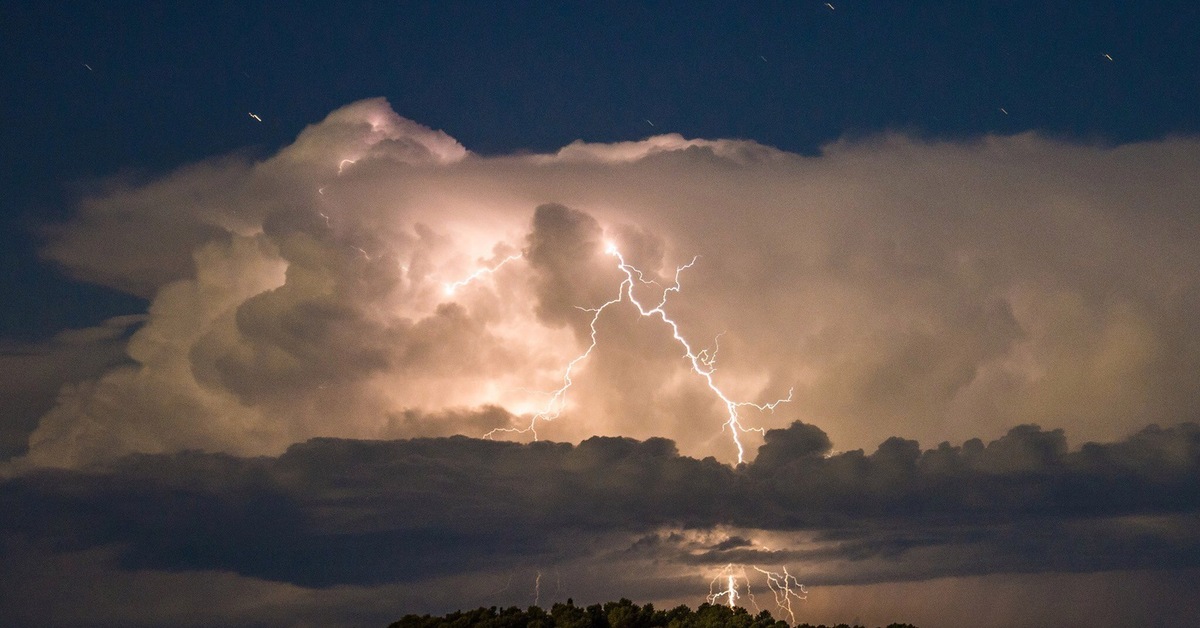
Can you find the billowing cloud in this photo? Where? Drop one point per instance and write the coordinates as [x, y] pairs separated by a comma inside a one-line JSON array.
[[33, 375], [934, 290]]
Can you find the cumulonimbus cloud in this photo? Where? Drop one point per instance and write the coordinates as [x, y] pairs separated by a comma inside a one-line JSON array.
[[937, 290]]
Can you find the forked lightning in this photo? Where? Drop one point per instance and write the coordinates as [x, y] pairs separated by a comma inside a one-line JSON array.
[[703, 362]]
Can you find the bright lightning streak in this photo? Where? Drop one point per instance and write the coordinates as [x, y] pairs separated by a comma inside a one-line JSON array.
[[255, 117], [731, 591], [724, 588], [537, 589], [451, 288], [703, 362], [786, 588], [342, 164], [558, 398], [727, 580]]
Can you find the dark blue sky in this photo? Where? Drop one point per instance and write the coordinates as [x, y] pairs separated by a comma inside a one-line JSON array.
[[896, 294], [171, 83]]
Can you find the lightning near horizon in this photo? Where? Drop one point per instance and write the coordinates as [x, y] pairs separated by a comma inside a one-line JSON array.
[[725, 585], [537, 589], [783, 586]]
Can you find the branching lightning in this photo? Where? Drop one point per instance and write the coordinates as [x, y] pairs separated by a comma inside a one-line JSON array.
[[703, 362], [786, 588], [724, 588], [725, 585]]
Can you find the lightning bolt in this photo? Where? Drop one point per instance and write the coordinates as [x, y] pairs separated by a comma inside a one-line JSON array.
[[558, 398], [724, 588], [702, 362], [786, 588], [724, 585], [537, 589], [451, 288]]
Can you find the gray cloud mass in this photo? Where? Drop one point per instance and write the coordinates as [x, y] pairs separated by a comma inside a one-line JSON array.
[[331, 512]]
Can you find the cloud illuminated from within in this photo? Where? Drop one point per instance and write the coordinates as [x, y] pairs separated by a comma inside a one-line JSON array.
[[934, 290]]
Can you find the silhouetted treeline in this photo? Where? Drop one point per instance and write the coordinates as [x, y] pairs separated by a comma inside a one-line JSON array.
[[620, 614]]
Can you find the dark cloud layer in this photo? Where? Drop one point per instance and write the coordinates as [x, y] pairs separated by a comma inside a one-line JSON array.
[[366, 512]]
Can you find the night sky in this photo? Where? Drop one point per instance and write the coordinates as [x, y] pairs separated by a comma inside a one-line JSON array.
[[321, 315]]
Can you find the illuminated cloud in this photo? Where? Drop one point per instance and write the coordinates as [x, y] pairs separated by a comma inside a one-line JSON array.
[[932, 290], [32, 374]]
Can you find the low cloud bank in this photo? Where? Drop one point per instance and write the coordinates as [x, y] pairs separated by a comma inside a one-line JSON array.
[[332, 511]]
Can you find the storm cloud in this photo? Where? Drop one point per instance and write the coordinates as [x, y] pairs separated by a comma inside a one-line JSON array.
[[332, 328], [936, 290], [332, 512]]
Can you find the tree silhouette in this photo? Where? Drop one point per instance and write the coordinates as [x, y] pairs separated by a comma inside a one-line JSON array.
[[620, 614]]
